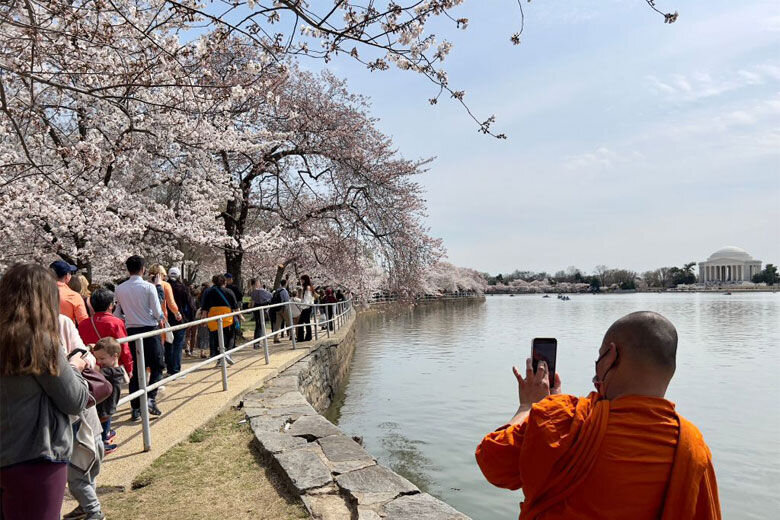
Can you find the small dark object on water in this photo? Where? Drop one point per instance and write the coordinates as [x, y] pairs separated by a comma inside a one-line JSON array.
[[358, 439]]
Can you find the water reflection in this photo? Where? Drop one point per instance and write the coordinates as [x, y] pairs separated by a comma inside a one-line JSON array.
[[405, 456], [426, 385]]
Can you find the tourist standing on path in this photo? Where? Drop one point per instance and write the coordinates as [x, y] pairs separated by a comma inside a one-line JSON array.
[[138, 302], [79, 283], [330, 299], [88, 447], [622, 452], [304, 331], [71, 302], [103, 324], [279, 314], [39, 388], [218, 300], [181, 313], [260, 297]]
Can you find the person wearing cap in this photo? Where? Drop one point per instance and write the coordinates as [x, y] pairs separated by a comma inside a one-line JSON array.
[[71, 303], [186, 308]]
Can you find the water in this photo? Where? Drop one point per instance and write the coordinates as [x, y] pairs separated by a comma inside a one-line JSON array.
[[428, 384]]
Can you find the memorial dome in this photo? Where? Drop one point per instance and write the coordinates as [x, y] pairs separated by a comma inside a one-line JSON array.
[[732, 253]]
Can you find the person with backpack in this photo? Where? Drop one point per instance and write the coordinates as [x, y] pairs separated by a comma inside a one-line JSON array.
[[218, 300], [279, 314]]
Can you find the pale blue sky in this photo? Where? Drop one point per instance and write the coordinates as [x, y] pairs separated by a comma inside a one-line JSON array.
[[632, 143]]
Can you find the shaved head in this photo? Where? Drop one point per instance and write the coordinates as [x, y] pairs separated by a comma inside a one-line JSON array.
[[647, 338]]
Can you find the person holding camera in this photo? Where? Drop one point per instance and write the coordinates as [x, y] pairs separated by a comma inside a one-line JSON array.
[[621, 452]]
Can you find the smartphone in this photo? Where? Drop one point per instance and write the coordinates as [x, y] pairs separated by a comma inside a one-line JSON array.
[[545, 349]]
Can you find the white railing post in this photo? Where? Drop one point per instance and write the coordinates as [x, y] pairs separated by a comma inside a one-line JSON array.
[[140, 373], [327, 319], [265, 335], [223, 359], [316, 312], [292, 326]]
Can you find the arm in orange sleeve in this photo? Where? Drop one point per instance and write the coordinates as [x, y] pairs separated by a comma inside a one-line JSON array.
[[498, 456], [708, 503], [169, 301]]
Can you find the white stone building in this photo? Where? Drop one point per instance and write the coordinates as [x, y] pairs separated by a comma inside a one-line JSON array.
[[730, 265]]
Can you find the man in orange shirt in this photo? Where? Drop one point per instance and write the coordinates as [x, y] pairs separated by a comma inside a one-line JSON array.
[[71, 303], [623, 452]]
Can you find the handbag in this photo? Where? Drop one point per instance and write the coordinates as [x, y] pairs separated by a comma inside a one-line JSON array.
[[100, 388]]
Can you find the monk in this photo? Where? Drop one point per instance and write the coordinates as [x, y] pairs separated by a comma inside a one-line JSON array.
[[623, 452]]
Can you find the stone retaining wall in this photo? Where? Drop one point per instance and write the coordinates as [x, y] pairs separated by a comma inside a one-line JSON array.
[[335, 477]]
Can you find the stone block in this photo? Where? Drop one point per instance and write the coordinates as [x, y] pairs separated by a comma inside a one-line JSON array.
[[266, 424], [421, 507], [313, 427], [365, 513], [327, 507], [374, 485], [287, 399], [304, 469], [278, 442], [343, 454]]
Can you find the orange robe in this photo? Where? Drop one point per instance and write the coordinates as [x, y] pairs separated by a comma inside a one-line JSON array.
[[631, 458]]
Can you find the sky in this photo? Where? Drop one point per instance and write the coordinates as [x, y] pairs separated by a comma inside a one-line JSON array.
[[632, 143]]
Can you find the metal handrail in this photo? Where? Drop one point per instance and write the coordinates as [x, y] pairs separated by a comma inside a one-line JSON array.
[[340, 311]]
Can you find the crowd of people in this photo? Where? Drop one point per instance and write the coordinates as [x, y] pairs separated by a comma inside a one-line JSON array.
[[62, 369]]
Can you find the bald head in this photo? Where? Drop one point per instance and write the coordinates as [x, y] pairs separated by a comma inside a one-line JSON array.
[[647, 339]]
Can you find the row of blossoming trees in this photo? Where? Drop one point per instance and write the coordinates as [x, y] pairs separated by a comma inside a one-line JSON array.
[[185, 131]]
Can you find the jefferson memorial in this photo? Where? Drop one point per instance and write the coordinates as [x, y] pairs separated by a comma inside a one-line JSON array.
[[730, 264]]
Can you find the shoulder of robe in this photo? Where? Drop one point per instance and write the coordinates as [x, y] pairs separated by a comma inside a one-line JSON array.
[[700, 452]]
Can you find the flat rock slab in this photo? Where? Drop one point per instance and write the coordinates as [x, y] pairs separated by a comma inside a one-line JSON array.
[[288, 399], [367, 514], [313, 427], [374, 484], [344, 454], [266, 424], [304, 468], [327, 507], [421, 507], [278, 442]]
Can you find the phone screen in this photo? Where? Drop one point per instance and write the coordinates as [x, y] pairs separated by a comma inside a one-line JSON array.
[[545, 349]]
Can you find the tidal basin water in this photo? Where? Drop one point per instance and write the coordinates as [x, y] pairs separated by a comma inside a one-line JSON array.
[[426, 386]]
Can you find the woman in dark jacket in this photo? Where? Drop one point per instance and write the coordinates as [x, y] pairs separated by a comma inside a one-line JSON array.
[[39, 388]]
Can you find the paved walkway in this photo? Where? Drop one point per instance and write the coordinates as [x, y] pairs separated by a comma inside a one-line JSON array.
[[187, 404]]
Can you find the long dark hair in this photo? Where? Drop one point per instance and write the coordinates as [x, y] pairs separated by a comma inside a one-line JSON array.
[[29, 321], [305, 281]]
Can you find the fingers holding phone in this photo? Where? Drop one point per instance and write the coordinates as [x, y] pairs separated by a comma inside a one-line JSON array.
[[534, 386]]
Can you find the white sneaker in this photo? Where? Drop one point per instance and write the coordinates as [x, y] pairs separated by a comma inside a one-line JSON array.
[[230, 360]]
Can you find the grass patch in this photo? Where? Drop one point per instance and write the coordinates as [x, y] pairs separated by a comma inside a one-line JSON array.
[[217, 473], [197, 436]]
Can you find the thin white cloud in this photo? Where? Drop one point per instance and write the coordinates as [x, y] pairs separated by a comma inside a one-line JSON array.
[[701, 85], [602, 158]]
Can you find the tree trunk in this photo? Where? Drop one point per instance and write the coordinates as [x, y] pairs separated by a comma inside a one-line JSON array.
[[233, 261]]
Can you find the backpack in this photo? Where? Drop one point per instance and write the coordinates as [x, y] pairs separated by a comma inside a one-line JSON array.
[[276, 297]]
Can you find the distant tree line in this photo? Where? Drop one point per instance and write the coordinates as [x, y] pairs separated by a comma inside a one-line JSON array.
[[768, 276], [624, 279]]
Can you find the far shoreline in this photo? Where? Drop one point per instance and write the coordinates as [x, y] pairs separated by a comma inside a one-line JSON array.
[[719, 290]]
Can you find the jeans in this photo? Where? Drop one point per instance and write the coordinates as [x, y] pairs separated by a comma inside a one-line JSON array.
[[155, 362], [173, 351], [82, 485], [304, 330], [32, 490], [259, 332], [105, 422], [214, 340]]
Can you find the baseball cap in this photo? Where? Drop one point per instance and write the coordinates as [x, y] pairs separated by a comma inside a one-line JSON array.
[[174, 272], [62, 268], [228, 276]]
